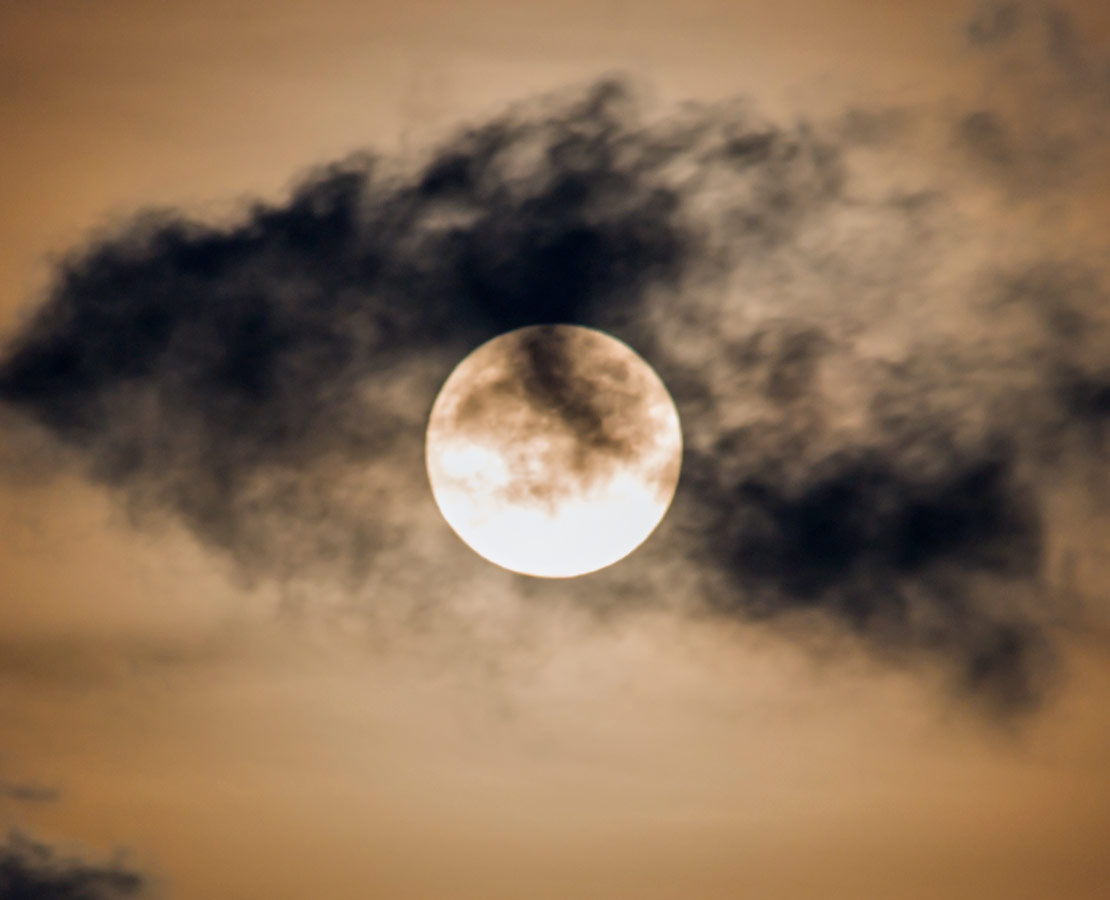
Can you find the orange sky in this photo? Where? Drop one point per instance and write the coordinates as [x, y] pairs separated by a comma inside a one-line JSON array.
[[240, 742]]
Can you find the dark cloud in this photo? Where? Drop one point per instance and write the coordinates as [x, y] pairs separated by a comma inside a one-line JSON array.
[[906, 558], [564, 390], [865, 403], [1070, 307], [1041, 124], [206, 368], [995, 22], [551, 376], [985, 136], [28, 792], [30, 870], [552, 370], [1086, 397]]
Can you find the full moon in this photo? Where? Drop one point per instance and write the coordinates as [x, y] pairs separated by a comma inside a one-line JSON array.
[[553, 450]]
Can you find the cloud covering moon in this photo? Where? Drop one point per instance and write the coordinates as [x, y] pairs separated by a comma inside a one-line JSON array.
[[883, 396], [553, 450]]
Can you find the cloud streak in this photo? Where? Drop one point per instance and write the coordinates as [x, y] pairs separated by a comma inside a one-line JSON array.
[[28, 792]]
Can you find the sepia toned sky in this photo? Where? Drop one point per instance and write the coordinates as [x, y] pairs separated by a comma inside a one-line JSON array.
[[240, 654]]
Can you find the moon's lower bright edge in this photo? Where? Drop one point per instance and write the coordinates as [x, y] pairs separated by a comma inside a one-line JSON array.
[[553, 450]]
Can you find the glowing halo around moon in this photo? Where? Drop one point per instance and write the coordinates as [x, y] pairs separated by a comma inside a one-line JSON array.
[[553, 450]]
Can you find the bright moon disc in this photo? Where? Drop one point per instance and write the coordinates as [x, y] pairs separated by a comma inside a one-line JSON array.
[[553, 450]]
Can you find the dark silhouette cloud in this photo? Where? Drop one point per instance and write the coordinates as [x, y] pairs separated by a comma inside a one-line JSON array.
[[196, 366], [887, 478], [30, 870], [906, 558]]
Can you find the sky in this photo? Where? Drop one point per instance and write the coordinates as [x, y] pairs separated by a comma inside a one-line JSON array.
[[863, 245]]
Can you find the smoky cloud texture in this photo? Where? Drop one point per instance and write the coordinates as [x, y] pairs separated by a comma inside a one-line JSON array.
[[564, 400], [879, 396], [31, 870]]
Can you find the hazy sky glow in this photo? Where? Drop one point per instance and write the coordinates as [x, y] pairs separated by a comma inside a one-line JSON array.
[[864, 247]]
